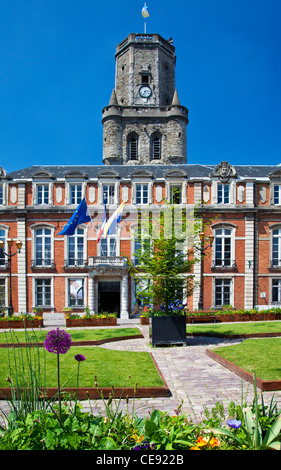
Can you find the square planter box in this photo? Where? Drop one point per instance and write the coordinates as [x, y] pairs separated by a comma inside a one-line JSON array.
[[170, 329]]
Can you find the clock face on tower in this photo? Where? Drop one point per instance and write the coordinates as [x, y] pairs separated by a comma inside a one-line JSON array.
[[145, 91]]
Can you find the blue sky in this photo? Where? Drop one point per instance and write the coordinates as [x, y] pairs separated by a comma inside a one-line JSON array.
[[57, 70]]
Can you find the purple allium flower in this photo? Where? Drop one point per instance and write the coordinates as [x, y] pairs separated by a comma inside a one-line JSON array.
[[80, 357], [234, 423], [57, 341]]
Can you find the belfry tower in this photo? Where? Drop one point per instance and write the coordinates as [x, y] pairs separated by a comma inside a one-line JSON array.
[[144, 122]]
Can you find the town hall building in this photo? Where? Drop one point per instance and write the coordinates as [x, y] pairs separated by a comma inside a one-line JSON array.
[[144, 164]]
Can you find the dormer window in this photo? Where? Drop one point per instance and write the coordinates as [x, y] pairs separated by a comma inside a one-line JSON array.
[[223, 193]]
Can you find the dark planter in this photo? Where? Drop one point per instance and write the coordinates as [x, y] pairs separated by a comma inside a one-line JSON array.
[[170, 329]]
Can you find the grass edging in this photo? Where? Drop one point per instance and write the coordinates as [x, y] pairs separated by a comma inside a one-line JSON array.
[[94, 393], [263, 385], [236, 336], [76, 343]]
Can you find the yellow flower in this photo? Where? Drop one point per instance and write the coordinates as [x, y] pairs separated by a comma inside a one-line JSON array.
[[214, 442], [194, 448], [202, 441]]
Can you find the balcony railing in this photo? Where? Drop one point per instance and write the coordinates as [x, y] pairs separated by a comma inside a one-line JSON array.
[[42, 263], [75, 263], [223, 263], [107, 261]]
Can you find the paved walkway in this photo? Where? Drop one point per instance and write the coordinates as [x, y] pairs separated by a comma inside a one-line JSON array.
[[194, 379]]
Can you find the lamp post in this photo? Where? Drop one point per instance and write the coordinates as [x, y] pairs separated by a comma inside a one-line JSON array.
[[9, 255], [202, 250]]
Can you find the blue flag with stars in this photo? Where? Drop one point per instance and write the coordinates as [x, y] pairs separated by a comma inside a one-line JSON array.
[[80, 216]]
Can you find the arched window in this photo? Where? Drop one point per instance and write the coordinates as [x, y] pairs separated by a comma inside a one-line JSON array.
[[132, 147], [156, 147], [223, 248]]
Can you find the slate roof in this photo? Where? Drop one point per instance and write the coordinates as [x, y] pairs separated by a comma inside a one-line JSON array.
[[127, 171]]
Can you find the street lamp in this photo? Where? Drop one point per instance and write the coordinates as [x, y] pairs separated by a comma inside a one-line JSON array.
[[202, 249], [9, 255]]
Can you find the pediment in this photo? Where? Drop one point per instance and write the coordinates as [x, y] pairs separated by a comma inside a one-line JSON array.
[[142, 173], [42, 174], [76, 174], [176, 173], [224, 171], [108, 174]]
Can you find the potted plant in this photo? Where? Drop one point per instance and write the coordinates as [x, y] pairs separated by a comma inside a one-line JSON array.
[[163, 271], [67, 312]]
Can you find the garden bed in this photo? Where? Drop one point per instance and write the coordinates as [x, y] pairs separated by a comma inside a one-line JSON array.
[[94, 393], [232, 317], [8, 324], [263, 385], [78, 322]]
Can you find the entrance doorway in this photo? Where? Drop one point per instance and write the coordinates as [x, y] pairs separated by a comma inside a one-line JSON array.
[[109, 297]]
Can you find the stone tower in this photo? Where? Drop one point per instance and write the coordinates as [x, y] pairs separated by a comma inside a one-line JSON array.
[[144, 122]]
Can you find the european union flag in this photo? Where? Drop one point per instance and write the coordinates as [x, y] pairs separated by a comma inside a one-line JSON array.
[[80, 216]]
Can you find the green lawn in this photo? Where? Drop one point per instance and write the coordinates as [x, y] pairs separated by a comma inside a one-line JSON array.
[[85, 334], [236, 328], [261, 356], [110, 367]]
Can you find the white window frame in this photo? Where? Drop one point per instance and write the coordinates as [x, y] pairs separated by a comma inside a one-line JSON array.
[[141, 188], [231, 288], [5, 278], [75, 237], [276, 194], [276, 302], [34, 229], [5, 229], [278, 244], [45, 194], [67, 293], [42, 278]]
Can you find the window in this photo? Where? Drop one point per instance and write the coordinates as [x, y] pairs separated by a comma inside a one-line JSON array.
[[43, 244], [108, 192], [222, 292], [108, 246], [142, 194], [133, 147], [277, 194], [1, 195], [76, 292], [223, 247], [42, 194], [176, 194], [276, 290], [75, 193], [223, 193], [43, 292], [2, 256], [2, 293], [76, 248], [156, 148], [276, 247], [140, 247], [145, 79]]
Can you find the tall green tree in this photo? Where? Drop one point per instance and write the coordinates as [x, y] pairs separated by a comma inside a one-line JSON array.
[[164, 270]]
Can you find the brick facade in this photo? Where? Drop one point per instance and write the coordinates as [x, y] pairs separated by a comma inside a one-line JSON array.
[[144, 162]]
